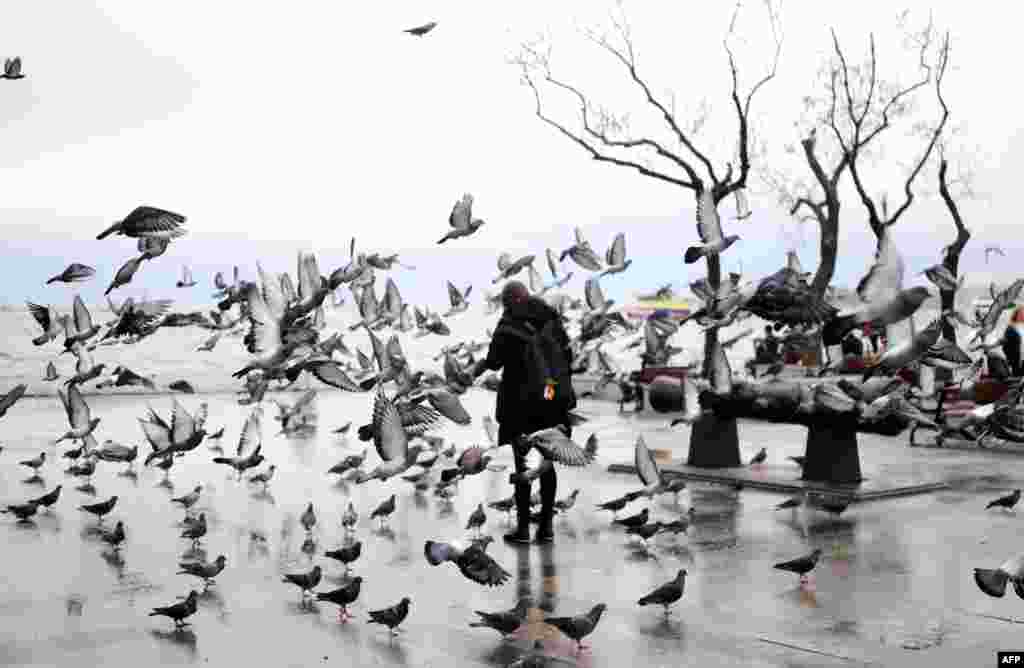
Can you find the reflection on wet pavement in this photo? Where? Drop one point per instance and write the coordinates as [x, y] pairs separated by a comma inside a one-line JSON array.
[[893, 586]]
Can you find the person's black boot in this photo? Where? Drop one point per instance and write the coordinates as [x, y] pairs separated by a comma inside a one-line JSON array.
[[521, 535], [545, 529]]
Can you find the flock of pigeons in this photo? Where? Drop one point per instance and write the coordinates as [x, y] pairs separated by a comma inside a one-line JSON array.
[[280, 323]]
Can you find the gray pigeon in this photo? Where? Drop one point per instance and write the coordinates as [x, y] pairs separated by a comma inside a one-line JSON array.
[[505, 622], [709, 228], [180, 611], [668, 593], [304, 581], [203, 570], [993, 581], [579, 627]]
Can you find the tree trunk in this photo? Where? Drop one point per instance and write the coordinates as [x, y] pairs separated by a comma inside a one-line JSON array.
[[714, 439], [951, 260], [828, 249], [831, 453]]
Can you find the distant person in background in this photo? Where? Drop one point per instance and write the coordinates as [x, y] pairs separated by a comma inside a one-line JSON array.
[[852, 346], [1012, 342], [768, 348], [872, 335]]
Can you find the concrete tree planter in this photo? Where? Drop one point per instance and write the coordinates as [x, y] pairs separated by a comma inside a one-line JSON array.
[[714, 442], [831, 453]]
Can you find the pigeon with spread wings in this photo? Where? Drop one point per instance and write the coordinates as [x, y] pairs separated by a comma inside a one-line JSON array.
[[709, 228]]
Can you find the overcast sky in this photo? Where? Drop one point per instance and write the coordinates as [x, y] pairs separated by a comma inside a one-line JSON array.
[[310, 124]]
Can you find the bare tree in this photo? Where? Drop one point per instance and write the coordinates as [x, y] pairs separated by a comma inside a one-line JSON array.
[[855, 109], [606, 137], [951, 254]]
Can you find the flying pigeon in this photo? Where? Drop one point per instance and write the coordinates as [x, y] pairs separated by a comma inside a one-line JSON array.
[[461, 218], [473, 562], [1008, 501], [147, 221], [74, 273], [420, 31], [993, 581], [12, 69], [709, 228]]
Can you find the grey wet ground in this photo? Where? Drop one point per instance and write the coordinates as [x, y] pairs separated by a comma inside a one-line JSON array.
[[894, 587]]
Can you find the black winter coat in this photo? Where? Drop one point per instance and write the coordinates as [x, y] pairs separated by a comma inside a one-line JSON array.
[[508, 352]]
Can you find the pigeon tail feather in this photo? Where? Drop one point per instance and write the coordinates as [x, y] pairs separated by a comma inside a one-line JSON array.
[[992, 581]]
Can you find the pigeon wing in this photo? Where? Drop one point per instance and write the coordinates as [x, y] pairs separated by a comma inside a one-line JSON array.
[[491, 429], [552, 262], [266, 327], [331, 373], [158, 435], [287, 288], [183, 425], [885, 277], [617, 251], [643, 460], [78, 411], [389, 437], [250, 435], [709, 226], [536, 282], [83, 320], [559, 447], [273, 296], [42, 315], [461, 213], [593, 293], [454, 296], [481, 568]]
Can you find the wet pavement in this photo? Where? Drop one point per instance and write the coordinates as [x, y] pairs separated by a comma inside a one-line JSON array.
[[894, 586]]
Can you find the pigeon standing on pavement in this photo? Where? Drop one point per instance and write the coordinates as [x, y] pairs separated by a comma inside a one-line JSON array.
[[384, 510], [346, 554], [343, 597], [101, 509], [203, 570], [476, 519], [668, 593], [505, 622], [304, 581], [801, 565], [180, 611], [391, 617], [308, 518], [579, 627]]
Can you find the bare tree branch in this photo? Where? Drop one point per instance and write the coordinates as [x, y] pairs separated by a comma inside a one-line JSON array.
[[879, 222], [628, 58], [951, 258]]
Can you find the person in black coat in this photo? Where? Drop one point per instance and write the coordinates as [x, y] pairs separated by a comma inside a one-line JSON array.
[[516, 415], [1012, 347]]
